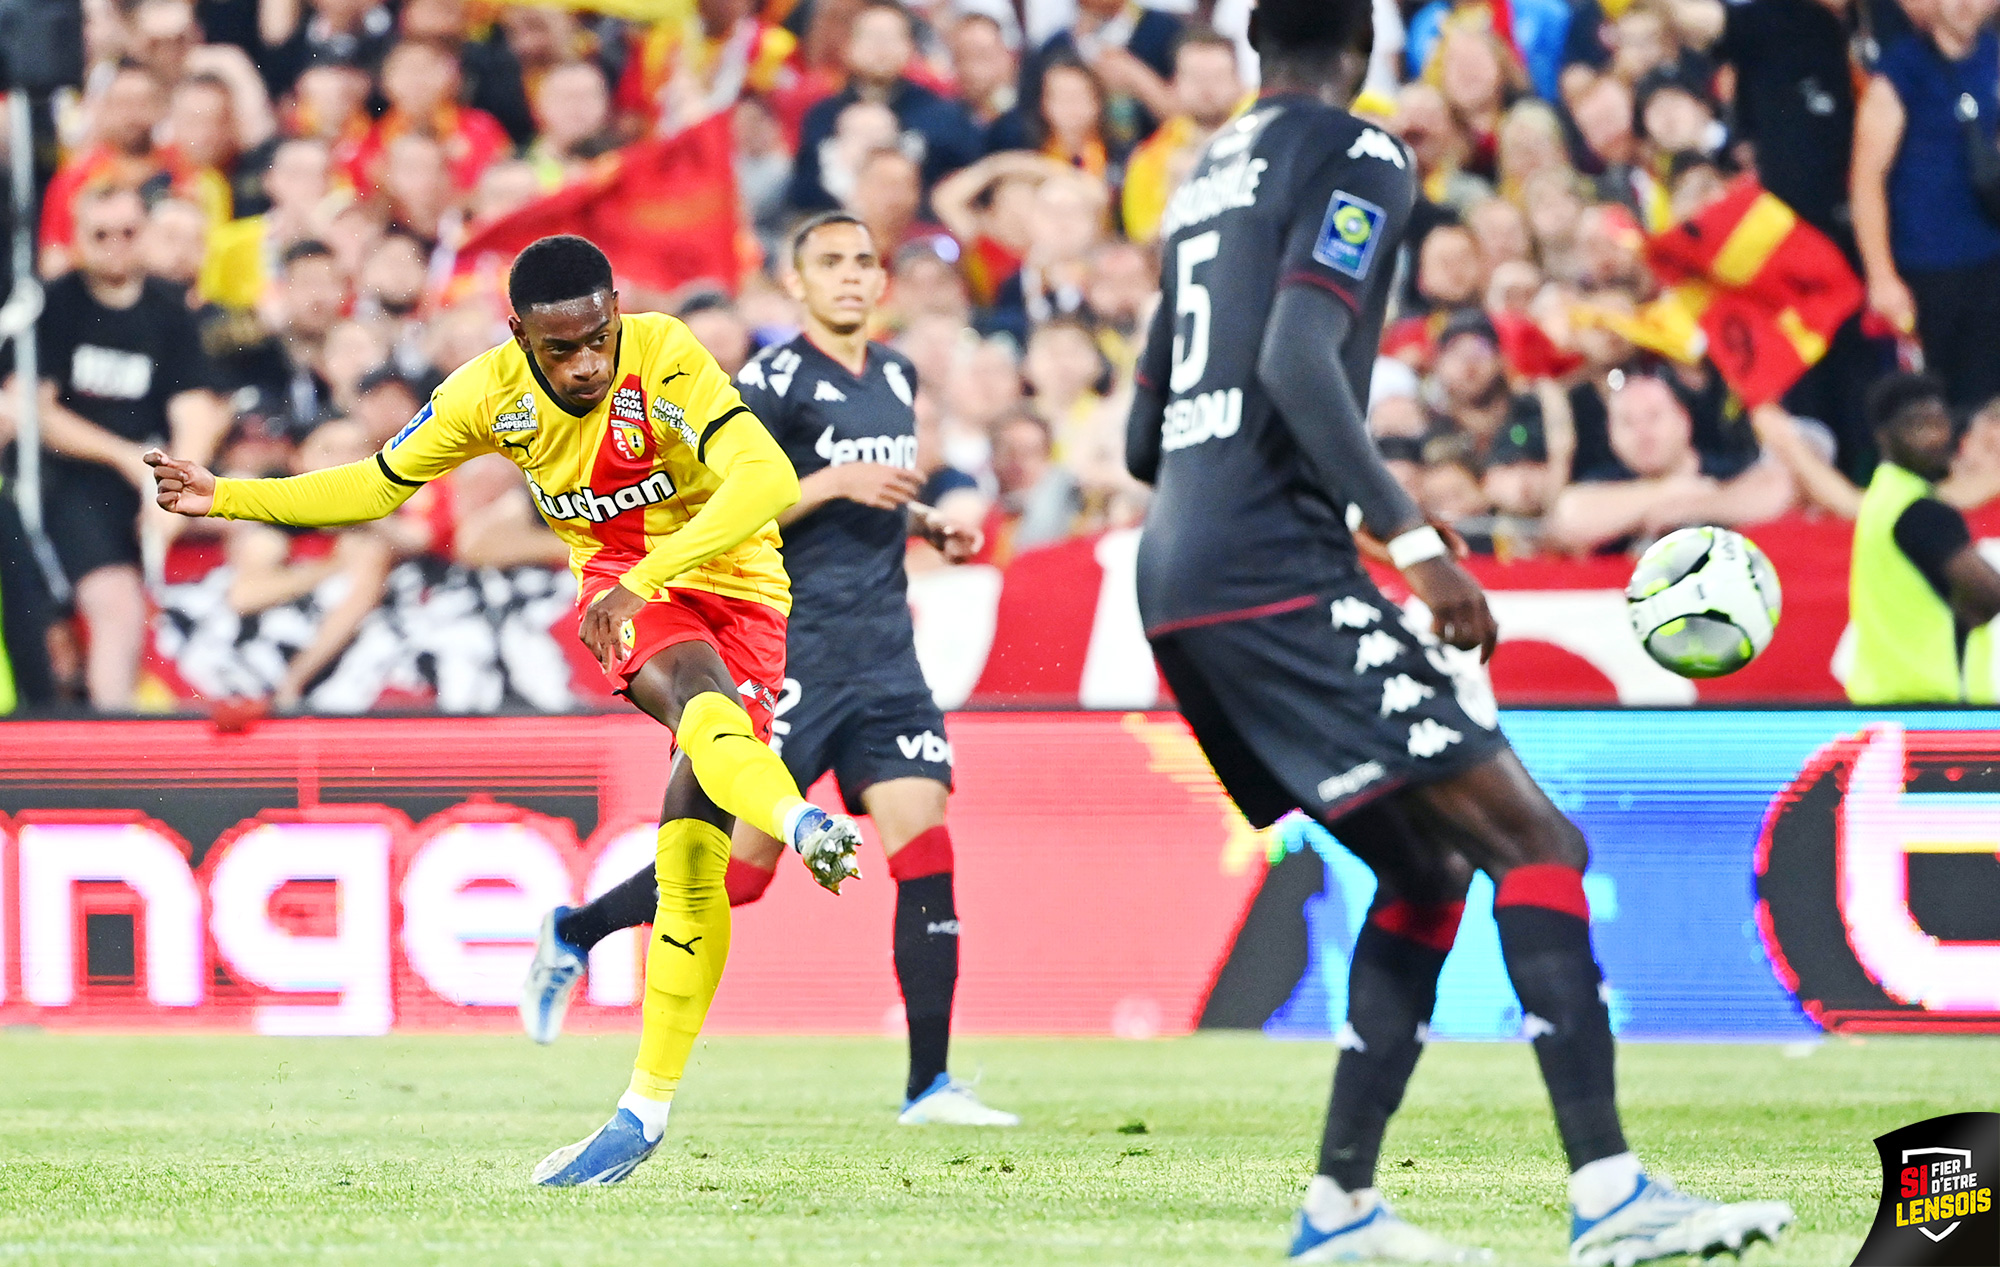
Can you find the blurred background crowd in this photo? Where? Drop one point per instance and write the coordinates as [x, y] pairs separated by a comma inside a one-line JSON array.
[[276, 197]]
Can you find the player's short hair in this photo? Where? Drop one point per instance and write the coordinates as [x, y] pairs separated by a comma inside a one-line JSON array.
[[893, 6], [813, 224], [1316, 30], [554, 269], [1890, 398]]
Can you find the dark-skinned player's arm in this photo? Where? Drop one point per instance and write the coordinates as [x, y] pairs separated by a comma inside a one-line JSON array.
[[757, 485], [1341, 254]]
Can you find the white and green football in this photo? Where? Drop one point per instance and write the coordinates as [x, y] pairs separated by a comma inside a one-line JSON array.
[[1704, 601]]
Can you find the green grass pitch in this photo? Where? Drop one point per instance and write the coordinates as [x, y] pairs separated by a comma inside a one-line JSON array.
[[231, 1150]]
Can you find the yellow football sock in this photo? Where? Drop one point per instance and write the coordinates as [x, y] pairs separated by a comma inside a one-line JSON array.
[[739, 772], [689, 946]]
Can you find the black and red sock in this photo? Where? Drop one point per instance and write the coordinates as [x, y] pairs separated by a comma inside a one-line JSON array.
[[926, 951], [627, 904], [1391, 989], [1544, 924]]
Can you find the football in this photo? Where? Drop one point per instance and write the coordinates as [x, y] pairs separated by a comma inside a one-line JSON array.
[[1704, 601]]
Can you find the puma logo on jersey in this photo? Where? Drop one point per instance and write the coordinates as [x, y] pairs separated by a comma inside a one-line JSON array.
[[926, 747], [1375, 144], [678, 373], [827, 391], [888, 450], [585, 503]]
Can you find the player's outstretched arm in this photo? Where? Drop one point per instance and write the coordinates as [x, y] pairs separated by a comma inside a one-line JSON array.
[[339, 495], [1300, 368]]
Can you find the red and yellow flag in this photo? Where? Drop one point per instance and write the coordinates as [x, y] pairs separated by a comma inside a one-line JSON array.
[[663, 209], [1766, 290]]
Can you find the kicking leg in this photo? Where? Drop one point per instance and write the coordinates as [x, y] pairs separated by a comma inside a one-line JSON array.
[[1500, 819], [909, 815], [687, 688]]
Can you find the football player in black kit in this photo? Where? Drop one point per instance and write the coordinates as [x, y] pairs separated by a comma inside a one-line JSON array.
[[1301, 682], [855, 701]]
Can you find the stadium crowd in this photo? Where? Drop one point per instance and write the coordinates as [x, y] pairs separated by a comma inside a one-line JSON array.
[[276, 190]]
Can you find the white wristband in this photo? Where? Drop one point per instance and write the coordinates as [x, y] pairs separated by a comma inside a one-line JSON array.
[[1415, 546]]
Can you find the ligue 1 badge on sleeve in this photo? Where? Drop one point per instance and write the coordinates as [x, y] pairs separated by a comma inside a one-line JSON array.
[[1937, 1195]]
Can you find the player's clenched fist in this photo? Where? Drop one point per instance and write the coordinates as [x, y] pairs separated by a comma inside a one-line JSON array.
[[182, 487], [1459, 615], [603, 630]]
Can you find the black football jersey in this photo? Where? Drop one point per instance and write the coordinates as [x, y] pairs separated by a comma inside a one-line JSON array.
[[849, 591], [1294, 193]]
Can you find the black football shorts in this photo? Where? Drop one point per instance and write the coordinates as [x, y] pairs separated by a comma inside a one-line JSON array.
[[1327, 706], [867, 725]]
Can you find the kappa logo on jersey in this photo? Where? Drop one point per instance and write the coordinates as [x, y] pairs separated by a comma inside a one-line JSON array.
[[888, 450], [1350, 612], [519, 418], [1375, 650], [1374, 144], [587, 504], [774, 375], [674, 416], [628, 419], [1348, 237], [1430, 737], [927, 747], [410, 427], [824, 390], [1402, 693], [898, 383]]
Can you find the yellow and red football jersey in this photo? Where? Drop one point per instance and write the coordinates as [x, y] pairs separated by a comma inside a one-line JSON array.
[[613, 482]]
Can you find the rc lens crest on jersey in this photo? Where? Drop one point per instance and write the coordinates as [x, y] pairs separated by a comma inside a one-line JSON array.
[[628, 419]]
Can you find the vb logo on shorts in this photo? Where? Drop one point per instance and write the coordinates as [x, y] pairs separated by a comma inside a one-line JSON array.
[[1937, 1195]]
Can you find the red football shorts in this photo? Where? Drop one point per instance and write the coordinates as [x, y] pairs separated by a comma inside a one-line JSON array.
[[748, 635]]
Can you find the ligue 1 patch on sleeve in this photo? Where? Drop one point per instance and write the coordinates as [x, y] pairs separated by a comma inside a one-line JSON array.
[[1347, 238], [410, 427]]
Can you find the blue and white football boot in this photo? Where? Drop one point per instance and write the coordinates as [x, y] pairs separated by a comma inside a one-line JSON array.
[[1370, 1232], [826, 842], [605, 1156], [1657, 1221], [949, 1102], [552, 978]]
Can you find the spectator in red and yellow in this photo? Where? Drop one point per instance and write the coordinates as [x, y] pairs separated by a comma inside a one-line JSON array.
[[1208, 85], [421, 82], [685, 68], [201, 132]]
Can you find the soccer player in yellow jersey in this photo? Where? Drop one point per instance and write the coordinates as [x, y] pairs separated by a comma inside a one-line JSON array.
[[645, 461]]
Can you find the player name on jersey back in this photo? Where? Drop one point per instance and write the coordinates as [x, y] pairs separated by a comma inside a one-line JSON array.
[[1293, 193]]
